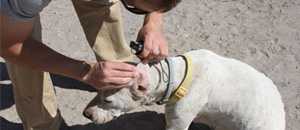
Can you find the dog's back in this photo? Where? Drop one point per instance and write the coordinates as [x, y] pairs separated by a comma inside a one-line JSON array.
[[240, 97]]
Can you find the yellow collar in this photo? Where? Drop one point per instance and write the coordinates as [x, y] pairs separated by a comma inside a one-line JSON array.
[[183, 87]]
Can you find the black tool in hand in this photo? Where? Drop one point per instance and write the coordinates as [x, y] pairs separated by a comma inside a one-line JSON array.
[[137, 46]]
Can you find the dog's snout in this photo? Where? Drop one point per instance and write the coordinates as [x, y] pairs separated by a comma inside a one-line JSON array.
[[87, 115]]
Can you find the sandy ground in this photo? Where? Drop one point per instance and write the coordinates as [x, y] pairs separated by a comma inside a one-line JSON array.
[[262, 33]]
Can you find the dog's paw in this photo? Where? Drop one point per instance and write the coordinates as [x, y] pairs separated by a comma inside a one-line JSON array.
[[98, 115]]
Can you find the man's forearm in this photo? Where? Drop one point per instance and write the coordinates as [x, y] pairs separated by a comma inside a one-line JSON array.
[[154, 18], [35, 55]]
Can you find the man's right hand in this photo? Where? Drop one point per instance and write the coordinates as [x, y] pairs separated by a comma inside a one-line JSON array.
[[109, 75]]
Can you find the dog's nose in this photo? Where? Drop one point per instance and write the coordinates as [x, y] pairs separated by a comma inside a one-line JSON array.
[[88, 113]]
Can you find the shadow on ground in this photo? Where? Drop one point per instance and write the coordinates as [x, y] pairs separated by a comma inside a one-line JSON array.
[[7, 125], [137, 121], [3, 72], [6, 97], [134, 121], [69, 83], [6, 94]]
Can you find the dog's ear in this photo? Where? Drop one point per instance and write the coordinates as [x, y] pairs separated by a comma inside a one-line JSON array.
[[139, 89]]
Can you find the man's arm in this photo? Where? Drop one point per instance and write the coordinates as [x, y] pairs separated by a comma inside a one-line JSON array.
[[18, 48], [33, 54], [154, 18]]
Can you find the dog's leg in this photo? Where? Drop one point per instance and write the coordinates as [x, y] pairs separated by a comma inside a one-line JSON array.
[[179, 117], [92, 104]]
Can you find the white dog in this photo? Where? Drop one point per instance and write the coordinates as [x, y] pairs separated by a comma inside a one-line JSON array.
[[224, 93]]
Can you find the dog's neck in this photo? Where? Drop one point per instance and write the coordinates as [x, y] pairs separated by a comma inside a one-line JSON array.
[[158, 77]]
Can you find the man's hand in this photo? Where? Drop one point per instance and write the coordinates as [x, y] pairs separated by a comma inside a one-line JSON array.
[[155, 44], [110, 75]]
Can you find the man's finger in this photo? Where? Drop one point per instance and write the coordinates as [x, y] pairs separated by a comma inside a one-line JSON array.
[[147, 47], [123, 74], [155, 48], [122, 66], [118, 81], [163, 50]]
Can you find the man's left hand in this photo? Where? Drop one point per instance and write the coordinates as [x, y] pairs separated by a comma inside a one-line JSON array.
[[155, 44]]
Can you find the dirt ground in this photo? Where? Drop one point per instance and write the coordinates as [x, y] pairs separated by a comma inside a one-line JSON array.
[[262, 33]]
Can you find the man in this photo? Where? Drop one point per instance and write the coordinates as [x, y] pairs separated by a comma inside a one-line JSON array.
[[29, 61]]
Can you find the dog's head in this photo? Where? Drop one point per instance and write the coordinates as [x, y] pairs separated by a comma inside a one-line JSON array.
[[112, 103]]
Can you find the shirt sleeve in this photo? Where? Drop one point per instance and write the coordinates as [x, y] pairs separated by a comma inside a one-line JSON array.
[[23, 9]]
